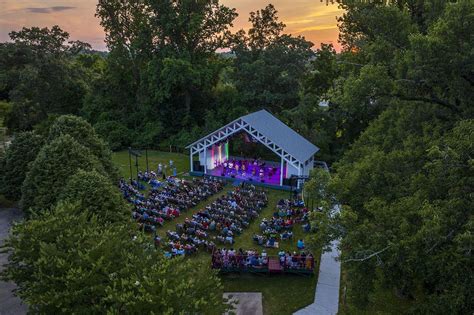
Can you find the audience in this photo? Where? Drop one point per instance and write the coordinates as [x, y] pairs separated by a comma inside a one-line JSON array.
[[226, 259], [225, 218], [166, 200]]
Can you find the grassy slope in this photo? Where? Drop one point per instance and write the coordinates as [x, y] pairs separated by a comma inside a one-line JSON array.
[[281, 294]]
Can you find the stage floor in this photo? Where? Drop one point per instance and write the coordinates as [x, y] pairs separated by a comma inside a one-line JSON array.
[[270, 179]]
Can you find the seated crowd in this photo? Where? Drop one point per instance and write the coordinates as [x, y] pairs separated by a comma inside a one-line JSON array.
[[220, 221], [168, 201], [243, 260], [279, 227]]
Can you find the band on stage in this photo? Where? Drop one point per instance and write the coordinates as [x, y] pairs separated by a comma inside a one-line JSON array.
[[247, 168]]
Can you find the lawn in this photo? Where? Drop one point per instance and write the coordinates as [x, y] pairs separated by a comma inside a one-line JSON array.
[[282, 294], [121, 160]]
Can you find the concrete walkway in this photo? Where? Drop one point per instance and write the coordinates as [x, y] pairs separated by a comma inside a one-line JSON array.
[[326, 300], [9, 304], [245, 303]]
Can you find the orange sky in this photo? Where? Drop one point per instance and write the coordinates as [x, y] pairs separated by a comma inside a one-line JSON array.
[[310, 18]]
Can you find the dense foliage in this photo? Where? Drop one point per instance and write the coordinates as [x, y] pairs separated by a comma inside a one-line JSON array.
[[97, 194], [406, 181], [49, 172], [85, 135], [21, 152], [67, 261]]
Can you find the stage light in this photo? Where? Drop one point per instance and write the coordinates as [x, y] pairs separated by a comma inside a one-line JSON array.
[[220, 153], [212, 157]]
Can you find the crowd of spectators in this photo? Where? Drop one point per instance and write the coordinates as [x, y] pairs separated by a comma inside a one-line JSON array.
[[220, 221], [167, 200], [280, 226], [231, 259]]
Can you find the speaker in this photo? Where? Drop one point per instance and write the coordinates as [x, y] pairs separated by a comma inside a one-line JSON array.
[[197, 167]]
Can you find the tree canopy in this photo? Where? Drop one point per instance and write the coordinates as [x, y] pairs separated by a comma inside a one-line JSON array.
[[65, 260], [55, 163], [18, 156]]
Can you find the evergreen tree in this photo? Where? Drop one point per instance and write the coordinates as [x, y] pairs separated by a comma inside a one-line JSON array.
[[55, 163], [94, 192], [18, 156]]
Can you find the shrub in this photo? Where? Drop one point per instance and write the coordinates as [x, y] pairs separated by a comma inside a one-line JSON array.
[[21, 152], [51, 169], [85, 134], [94, 192]]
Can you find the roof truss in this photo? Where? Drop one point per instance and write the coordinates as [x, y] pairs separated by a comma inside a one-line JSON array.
[[235, 127]]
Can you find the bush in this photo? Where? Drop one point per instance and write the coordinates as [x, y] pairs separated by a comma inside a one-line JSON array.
[[51, 169], [85, 134], [94, 192], [21, 152]]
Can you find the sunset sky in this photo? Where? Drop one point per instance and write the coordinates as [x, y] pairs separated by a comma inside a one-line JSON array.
[[310, 18]]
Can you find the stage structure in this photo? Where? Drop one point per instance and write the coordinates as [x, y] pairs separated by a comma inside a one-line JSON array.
[[295, 152]]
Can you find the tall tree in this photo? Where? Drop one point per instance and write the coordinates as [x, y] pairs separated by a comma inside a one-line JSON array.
[[168, 49], [269, 64], [18, 156], [39, 77], [49, 172]]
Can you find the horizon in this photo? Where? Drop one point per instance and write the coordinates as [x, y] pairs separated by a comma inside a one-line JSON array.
[[314, 20]]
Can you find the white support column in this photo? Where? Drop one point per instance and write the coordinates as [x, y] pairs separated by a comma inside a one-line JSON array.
[[205, 159], [299, 174], [191, 159], [281, 171]]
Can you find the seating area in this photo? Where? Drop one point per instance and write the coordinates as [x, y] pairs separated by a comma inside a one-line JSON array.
[[168, 199], [280, 227], [219, 222], [230, 260]]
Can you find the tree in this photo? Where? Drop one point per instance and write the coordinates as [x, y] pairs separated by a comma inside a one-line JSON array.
[[55, 163], [269, 65], [323, 217], [162, 64], [67, 260], [39, 77], [85, 135], [94, 192], [18, 156]]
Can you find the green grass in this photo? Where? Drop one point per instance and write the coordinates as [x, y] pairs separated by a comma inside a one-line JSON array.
[[121, 160], [282, 294]]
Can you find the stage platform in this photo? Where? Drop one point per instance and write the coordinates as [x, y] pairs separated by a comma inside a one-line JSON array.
[[249, 181]]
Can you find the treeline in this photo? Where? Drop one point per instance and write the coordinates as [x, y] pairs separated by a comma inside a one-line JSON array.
[[78, 251], [406, 182], [164, 81]]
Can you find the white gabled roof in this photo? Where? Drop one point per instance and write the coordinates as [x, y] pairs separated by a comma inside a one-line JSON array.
[[279, 133]]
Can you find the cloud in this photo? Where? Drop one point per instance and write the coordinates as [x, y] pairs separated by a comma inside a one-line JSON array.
[[48, 10], [317, 28]]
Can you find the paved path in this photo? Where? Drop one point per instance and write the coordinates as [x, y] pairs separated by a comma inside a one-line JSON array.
[[326, 300], [246, 303], [9, 304]]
